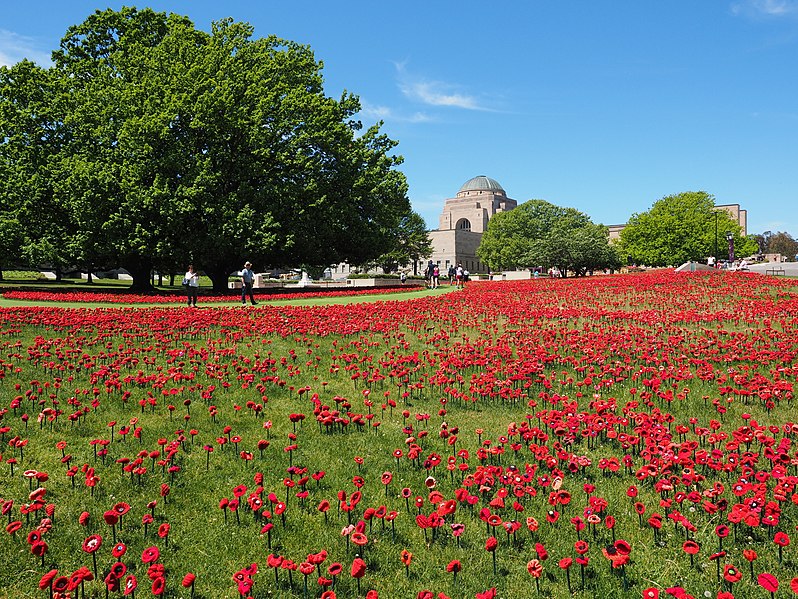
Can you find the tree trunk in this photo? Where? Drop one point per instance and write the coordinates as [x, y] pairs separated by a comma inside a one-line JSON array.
[[58, 274], [140, 271], [89, 279], [1, 275], [218, 276]]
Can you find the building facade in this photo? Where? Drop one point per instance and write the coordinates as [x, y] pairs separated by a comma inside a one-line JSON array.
[[463, 221]]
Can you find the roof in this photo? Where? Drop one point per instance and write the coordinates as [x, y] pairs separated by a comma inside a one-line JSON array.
[[482, 183]]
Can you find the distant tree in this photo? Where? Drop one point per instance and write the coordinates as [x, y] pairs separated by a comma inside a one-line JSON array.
[[784, 244], [579, 249], [762, 240], [411, 243], [679, 228], [538, 233]]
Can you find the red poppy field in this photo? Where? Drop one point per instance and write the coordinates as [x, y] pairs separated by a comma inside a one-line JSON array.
[[630, 436]]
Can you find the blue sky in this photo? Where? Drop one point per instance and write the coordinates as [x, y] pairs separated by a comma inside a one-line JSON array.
[[604, 106]]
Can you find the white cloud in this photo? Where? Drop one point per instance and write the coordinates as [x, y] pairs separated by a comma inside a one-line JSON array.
[[435, 93], [767, 8], [385, 113], [15, 47]]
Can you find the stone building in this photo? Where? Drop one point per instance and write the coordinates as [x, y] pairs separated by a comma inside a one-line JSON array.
[[463, 221]]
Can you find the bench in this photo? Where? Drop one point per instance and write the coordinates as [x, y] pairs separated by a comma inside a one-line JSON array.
[[775, 271]]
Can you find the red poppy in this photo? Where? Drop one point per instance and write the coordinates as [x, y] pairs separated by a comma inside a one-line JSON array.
[[118, 570], [650, 593], [188, 580], [158, 585], [731, 574], [112, 583], [690, 547], [46, 580], [150, 554], [749, 554], [768, 582], [358, 538], [92, 543], [491, 543], [535, 568], [119, 550], [358, 569]]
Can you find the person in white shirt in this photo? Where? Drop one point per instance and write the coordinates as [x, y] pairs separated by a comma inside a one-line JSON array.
[[191, 283]]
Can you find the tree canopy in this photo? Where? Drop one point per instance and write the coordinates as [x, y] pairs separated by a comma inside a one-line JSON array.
[[679, 228], [777, 243], [538, 233], [411, 244], [151, 143]]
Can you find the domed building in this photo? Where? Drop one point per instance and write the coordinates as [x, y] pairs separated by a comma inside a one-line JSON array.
[[463, 221]]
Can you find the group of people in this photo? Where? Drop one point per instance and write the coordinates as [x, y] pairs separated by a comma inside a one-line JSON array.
[[191, 282], [457, 275]]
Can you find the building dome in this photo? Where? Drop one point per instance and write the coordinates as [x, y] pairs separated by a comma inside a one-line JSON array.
[[482, 183]]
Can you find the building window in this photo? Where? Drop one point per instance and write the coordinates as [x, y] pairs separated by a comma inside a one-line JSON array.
[[464, 224]]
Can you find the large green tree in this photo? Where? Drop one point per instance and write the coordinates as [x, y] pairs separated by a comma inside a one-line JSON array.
[[679, 228], [177, 144], [538, 233], [411, 243], [34, 221]]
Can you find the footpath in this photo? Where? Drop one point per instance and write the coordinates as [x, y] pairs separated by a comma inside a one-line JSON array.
[[790, 269]]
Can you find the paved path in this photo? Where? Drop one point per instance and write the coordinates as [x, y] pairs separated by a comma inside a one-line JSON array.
[[790, 268]]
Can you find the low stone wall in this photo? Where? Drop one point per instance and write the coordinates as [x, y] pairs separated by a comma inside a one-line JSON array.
[[379, 282]]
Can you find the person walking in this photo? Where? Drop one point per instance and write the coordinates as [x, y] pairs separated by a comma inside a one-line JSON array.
[[191, 283], [247, 280], [436, 273], [428, 274], [458, 275]]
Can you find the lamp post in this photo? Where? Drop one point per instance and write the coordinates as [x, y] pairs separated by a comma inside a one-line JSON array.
[[730, 239], [716, 234]]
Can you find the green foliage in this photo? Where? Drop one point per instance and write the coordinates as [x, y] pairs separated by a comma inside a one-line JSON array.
[[784, 244], [679, 228], [538, 233], [150, 143], [411, 243]]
